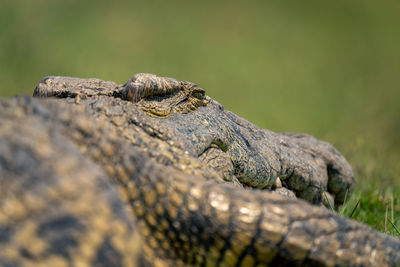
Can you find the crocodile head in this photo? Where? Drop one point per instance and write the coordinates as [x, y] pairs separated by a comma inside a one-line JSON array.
[[224, 141]]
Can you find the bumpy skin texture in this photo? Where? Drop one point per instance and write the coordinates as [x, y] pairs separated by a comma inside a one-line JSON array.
[[199, 125], [56, 206], [169, 171]]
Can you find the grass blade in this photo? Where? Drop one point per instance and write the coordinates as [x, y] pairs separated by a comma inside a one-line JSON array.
[[345, 196], [355, 207], [392, 207], [394, 226], [386, 215], [344, 206], [329, 203]]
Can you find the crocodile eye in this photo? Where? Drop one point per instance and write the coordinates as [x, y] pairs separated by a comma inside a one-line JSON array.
[[198, 95]]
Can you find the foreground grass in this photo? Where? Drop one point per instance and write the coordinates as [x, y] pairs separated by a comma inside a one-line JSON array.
[[376, 198], [371, 208]]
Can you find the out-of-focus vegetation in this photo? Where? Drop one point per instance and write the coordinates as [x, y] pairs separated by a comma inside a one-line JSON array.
[[328, 68]]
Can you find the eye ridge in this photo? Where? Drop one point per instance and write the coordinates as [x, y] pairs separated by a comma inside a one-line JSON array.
[[160, 96]]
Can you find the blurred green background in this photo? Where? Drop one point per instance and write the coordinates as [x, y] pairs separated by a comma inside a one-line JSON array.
[[328, 68]]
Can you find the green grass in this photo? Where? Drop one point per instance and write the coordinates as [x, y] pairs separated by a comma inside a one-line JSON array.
[[328, 68], [376, 198]]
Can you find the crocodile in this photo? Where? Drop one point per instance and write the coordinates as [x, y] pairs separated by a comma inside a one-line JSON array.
[[154, 172]]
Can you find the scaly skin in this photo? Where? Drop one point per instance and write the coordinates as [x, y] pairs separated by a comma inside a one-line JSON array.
[[226, 142], [185, 217], [56, 206]]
